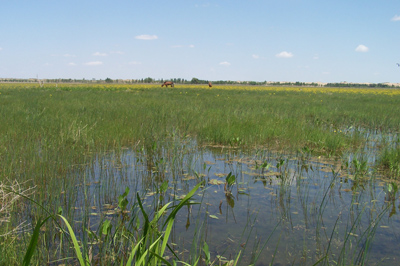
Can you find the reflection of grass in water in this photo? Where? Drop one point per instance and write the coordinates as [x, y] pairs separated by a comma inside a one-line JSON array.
[[355, 245], [348, 245]]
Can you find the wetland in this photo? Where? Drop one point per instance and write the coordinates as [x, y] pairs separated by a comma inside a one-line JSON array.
[[222, 176]]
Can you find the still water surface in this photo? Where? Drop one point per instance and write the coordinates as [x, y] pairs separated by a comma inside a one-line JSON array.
[[289, 209]]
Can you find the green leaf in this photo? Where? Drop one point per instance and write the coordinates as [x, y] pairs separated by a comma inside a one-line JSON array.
[[206, 252], [122, 201], [133, 252], [164, 186], [78, 252], [265, 165], [161, 258], [237, 258], [32, 245], [91, 234], [106, 227], [182, 203], [230, 179], [171, 217]]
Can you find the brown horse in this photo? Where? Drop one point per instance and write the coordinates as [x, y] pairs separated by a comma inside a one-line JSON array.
[[167, 83], [209, 84]]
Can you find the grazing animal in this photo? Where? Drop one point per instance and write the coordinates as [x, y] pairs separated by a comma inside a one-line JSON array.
[[209, 84], [167, 83]]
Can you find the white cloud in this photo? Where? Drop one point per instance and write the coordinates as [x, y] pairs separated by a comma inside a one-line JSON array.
[[396, 18], [94, 63], [134, 63], [225, 63], [255, 56], [117, 52], [284, 54], [1, 48], [72, 64], [99, 54], [191, 46], [146, 37], [362, 48]]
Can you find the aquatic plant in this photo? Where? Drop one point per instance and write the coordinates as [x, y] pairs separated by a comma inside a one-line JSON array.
[[389, 161]]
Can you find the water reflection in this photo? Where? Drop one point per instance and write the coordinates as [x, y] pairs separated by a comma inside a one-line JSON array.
[[281, 208]]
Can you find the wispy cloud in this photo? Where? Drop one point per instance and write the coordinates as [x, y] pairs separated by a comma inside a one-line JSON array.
[[134, 63], [71, 64], [284, 54], [225, 63], [94, 63], [255, 56], [1, 48], [396, 18], [99, 54], [146, 37], [117, 52], [182, 46], [64, 55], [362, 48]]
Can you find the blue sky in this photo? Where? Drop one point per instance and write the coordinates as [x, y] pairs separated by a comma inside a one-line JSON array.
[[273, 40]]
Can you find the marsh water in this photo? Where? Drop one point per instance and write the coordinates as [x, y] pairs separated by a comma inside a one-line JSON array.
[[281, 208]]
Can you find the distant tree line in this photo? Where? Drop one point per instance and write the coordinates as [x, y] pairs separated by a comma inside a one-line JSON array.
[[360, 85], [194, 80]]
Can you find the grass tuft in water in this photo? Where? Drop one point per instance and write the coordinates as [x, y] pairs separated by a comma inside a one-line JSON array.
[[389, 162]]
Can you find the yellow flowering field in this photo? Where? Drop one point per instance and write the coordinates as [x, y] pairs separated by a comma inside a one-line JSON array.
[[329, 90]]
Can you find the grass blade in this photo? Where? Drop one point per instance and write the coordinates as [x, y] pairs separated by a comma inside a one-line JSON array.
[[171, 217], [78, 252], [33, 242], [133, 252]]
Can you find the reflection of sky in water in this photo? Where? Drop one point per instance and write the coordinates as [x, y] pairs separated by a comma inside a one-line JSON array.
[[302, 196]]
